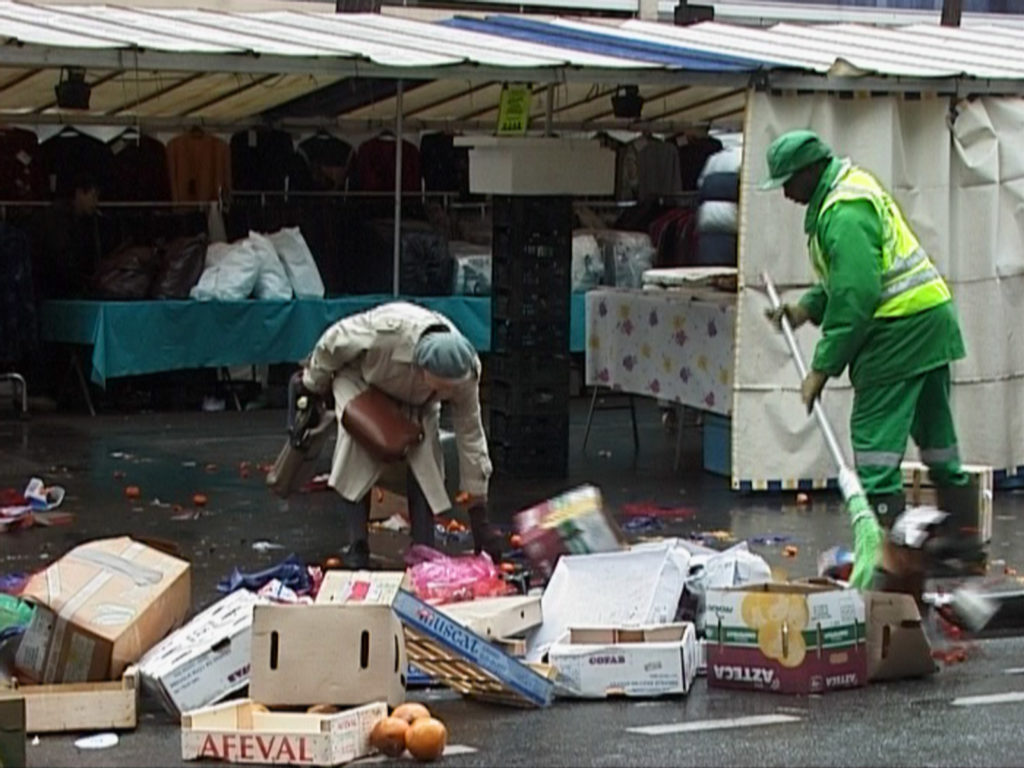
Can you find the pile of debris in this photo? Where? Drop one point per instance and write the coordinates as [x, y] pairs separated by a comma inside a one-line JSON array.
[[251, 679]]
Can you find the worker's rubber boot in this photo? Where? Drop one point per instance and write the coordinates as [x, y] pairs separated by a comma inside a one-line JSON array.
[[356, 557], [956, 548], [888, 507], [485, 536]]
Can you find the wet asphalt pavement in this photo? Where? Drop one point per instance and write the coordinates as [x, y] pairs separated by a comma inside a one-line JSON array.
[[171, 456]]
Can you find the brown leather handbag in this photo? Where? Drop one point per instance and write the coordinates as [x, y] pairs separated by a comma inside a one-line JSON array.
[[375, 421]]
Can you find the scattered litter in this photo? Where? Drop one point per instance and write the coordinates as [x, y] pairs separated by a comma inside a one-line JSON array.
[[279, 593], [956, 654], [99, 741], [266, 546], [438, 578], [199, 499], [119, 474], [120, 455], [188, 464], [604, 454], [790, 551], [643, 525], [836, 563], [188, 514], [158, 503], [718, 535], [132, 492], [318, 483], [650, 509], [35, 741], [210, 468], [803, 498], [13, 583], [394, 523], [771, 539], [291, 572]]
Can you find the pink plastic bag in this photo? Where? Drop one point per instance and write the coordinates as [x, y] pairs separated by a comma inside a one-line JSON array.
[[438, 578]]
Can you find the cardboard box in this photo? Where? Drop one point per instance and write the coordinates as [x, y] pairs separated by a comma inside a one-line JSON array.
[[347, 649], [573, 523], [536, 166], [243, 732], [497, 618], [99, 609], [897, 646], [12, 729], [206, 660], [461, 659], [786, 638], [595, 662], [920, 491], [638, 587], [78, 707]]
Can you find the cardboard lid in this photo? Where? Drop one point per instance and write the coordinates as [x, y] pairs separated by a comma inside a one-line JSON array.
[[360, 587], [222, 620]]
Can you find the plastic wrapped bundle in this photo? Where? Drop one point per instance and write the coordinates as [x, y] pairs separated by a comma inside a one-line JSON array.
[[588, 263], [472, 272]]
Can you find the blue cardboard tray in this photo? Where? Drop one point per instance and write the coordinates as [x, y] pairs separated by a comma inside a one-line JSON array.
[[463, 660]]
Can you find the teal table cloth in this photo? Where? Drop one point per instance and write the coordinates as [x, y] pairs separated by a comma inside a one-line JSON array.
[[130, 338]]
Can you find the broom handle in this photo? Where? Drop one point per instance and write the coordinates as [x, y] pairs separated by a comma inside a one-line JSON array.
[[794, 349]]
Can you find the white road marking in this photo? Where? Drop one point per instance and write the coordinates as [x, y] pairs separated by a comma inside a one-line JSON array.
[[1014, 671], [714, 725], [993, 698]]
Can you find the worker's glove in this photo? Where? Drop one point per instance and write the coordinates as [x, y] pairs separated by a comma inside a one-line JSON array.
[[811, 386], [795, 313], [868, 538]]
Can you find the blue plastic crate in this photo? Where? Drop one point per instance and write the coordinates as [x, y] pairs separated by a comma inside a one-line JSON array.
[[717, 444]]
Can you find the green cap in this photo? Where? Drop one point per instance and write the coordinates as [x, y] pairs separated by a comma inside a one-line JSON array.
[[792, 152]]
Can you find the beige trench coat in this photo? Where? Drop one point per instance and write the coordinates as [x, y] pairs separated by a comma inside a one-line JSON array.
[[376, 347]]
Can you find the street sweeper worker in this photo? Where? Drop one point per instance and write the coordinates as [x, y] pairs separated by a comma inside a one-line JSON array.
[[420, 359], [885, 313]]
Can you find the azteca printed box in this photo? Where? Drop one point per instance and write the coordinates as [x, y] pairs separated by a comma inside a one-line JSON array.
[[786, 638]]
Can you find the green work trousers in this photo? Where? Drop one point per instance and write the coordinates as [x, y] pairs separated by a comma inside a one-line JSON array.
[[885, 416]]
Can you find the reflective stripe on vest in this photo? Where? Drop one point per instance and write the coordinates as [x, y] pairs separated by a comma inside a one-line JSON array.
[[910, 281]]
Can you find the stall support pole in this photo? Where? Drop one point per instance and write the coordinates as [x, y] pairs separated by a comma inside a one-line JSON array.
[[397, 247], [549, 110]]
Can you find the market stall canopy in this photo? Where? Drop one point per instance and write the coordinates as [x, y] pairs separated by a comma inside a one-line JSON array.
[[150, 63]]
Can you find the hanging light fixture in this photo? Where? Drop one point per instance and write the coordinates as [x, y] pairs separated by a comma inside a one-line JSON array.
[[72, 90], [627, 101]]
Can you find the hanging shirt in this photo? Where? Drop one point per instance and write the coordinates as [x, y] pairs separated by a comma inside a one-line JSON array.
[[200, 166], [70, 155], [328, 158], [375, 165], [140, 170], [22, 175]]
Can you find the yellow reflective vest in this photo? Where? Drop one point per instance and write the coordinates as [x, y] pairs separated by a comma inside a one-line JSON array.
[[910, 281]]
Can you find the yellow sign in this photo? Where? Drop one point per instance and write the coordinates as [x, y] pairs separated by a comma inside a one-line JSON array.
[[514, 110]]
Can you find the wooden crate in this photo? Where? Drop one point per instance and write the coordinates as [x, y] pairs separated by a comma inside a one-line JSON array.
[[921, 491], [82, 706], [462, 675], [246, 732]]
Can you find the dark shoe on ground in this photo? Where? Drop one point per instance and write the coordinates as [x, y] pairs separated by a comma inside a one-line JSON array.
[[356, 557]]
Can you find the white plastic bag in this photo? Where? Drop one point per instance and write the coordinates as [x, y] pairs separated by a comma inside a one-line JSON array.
[[298, 263], [272, 283], [588, 265], [718, 216], [230, 274]]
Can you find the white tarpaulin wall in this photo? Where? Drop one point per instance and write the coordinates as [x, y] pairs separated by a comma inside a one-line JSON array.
[[962, 188]]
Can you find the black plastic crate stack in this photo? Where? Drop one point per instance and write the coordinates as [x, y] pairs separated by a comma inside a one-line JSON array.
[[529, 362]]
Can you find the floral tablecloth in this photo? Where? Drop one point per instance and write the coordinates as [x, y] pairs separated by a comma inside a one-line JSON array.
[[672, 345]]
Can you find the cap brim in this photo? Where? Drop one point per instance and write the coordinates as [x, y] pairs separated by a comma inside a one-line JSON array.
[[776, 182]]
